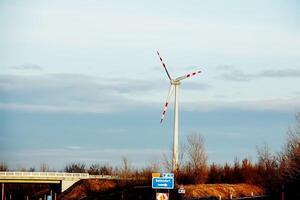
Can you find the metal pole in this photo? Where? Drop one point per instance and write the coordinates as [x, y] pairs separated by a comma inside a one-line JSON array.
[[175, 142], [2, 192], [282, 193]]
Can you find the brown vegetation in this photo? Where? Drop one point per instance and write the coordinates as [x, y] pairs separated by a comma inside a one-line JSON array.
[[223, 190]]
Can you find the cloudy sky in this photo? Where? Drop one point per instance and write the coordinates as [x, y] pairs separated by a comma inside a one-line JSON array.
[[81, 80]]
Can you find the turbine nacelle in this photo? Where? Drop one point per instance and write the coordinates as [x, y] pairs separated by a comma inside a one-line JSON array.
[[175, 82]]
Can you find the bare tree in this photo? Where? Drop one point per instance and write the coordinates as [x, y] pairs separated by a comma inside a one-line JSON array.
[[126, 169], [44, 167], [196, 157], [31, 169], [97, 169], [154, 165], [75, 168], [265, 157], [195, 151], [94, 169], [167, 159], [3, 166], [146, 172]]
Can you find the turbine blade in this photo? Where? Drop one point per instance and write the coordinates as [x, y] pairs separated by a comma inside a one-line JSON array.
[[187, 76], [167, 103], [162, 62]]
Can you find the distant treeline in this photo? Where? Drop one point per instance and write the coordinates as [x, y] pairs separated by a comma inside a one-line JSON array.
[[274, 172]]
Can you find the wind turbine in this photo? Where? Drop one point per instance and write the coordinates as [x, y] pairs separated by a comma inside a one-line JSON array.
[[174, 84]]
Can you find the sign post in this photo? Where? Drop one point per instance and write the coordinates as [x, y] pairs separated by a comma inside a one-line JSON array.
[[164, 181], [2, 192]]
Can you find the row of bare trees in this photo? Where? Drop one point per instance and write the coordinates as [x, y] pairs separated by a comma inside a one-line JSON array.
[[275, 172], [290, 161]]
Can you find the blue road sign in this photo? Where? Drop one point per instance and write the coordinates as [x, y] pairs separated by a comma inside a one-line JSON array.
[[162, 183]]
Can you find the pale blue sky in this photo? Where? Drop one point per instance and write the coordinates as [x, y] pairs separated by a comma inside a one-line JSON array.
[[75, 73]]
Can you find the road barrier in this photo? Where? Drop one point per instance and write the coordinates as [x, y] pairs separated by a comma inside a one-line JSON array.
[[240, 198]]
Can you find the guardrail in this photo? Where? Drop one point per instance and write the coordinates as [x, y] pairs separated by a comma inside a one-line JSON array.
[[45, 174], [56, 174], [262, 197], [103, 177]]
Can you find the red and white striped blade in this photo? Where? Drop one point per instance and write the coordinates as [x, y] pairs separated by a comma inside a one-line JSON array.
[[162, 62], [187, 76], [167, 103]]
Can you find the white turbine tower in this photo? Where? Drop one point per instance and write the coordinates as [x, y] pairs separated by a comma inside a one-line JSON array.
[[174, 84]]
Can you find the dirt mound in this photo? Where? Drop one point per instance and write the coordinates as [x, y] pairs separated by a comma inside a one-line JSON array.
[[223, 190], [86, 187]]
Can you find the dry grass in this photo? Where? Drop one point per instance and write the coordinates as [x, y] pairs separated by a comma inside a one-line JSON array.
[[223, 190]]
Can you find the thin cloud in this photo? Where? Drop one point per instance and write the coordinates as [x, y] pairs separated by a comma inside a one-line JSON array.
[[196, 86], [73, 147], [283, 104], [27, 67], [49, 89], [236, 75], [280, 73], [72, 93], [233, 74]]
